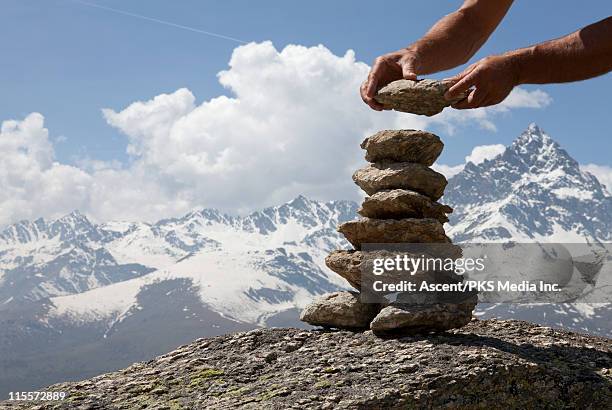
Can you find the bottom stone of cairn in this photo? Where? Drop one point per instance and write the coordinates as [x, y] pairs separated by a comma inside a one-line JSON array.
[[342, 310], [421, 318]]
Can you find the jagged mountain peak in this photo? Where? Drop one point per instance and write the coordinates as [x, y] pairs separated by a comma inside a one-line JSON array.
[[70, 226], [74, 218], [534, 131], [539, 153], [534, 189]]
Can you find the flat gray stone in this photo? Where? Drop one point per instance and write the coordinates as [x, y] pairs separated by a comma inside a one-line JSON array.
[[340, 310], [424, 97], [403, 146], [412, 319], [403, 203], [408, 230], [386, 175]]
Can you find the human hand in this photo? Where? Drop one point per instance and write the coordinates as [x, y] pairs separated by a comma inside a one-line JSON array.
[[386, 69], [489, 80]]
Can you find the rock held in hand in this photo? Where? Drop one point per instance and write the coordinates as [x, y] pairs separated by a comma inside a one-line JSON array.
[[403, 146], [425, 97], [408, 230], [340, 310], [403, 203], [385, 175]]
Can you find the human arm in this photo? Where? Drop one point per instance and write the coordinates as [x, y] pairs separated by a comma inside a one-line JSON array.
[[452, 41], [578, 56]]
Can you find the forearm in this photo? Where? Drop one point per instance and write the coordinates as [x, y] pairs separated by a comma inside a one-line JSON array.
[[455, 38], [583, 54]]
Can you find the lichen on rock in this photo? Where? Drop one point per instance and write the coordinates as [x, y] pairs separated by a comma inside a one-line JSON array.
[[486, 364]]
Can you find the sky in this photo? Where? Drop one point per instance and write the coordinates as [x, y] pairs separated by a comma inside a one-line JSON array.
[[239, 105]]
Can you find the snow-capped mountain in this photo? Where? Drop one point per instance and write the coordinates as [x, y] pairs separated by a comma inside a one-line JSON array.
[[244, 267], [41, 259], [102, 296], [533, 192]]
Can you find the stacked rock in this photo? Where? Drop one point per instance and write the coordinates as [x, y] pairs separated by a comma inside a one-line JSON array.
[[401, 208]]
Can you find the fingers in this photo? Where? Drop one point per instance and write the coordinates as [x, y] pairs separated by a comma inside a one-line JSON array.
[[408, 72], [368, 96], [372, 81], [386, 68], [475, 99], [464, 82], [487, 82], [370, 86]]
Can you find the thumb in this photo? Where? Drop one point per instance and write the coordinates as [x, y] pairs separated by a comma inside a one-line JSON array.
[[408, 72]]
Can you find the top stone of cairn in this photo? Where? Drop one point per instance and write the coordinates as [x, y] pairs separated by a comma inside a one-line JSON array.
[[403, 146], [425, 97]]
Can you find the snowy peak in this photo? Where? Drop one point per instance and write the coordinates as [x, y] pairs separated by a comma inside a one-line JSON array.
[[302, 211], [72, 226], [533, 191], [71, 254], [539, 153]]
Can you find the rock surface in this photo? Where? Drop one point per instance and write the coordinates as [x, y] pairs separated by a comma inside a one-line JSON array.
[[386, 175], [347, 264], [486, 364], [403, 146], [425, 97], [341, 310], [423, 318], [408, 230], [403, 203]]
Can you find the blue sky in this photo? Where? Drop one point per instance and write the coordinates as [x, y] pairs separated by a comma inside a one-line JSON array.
[[67, 61]]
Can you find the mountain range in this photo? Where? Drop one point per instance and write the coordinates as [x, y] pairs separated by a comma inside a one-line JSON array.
[[79, 298]]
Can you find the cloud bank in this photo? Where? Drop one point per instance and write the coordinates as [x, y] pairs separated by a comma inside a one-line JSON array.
[[290, 125], [479, 154]]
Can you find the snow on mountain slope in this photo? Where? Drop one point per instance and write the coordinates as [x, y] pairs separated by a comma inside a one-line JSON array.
[[249, 291], [41, 259], [244, 268], [77, 298], [253, 267], [534, 191]]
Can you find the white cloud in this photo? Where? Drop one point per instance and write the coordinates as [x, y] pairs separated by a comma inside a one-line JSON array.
[[521, 98], [31, 182], [292, 124], [448, 170], [602, 172], [479, 154]]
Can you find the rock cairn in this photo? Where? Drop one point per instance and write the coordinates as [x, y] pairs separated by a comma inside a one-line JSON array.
[[401, 207]]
